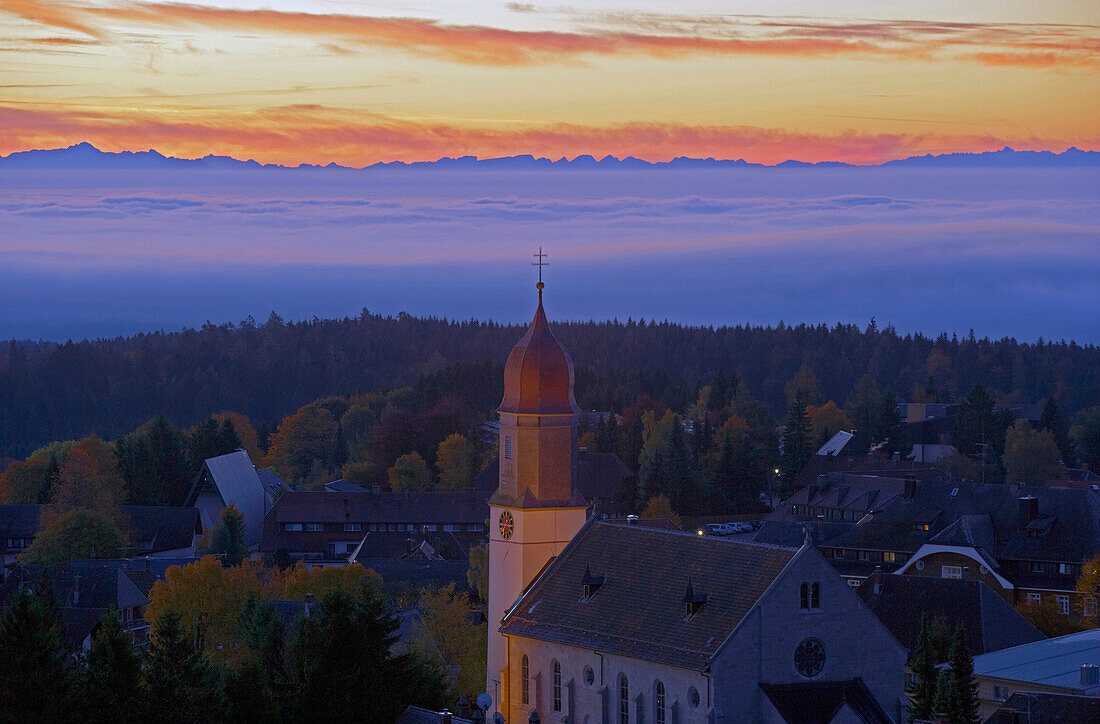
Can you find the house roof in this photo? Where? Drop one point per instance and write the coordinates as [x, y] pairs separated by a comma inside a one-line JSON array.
[[165, 527], [408, 575], [344, 486], [1051, 662], [820, 702], [991, 622], [1067, 527], [237, 482], [638, 611], [18, 521], [414, 507], [599, 475], [859, 492], [1042, 708], [836, 443], [273, 486]]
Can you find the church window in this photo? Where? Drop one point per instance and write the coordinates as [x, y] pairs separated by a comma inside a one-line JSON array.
[[624, 700], [659, 703], [507, 447], [557, 686], [525, 680], [815, 595], [693, 697], [589, 676], [809, 657], [804, 596]]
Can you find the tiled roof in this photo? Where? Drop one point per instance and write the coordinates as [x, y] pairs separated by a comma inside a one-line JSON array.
[[639, 610], [1051, 662], [413, 507], [404, 575], [1026, 707], [991, 622], [819, 702]]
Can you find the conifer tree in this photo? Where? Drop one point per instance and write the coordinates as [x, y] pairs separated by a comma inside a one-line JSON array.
[[966, 705], [180, 684], [922, 692], [228, 539], [111, 682], [33, 682], [797, 445], [945, 700]]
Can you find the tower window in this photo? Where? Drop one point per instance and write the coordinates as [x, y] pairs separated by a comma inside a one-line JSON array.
[[815, 595], [624, 700], [659, 703], [507, 447], [557, 686], [804, 596], [525, 680]]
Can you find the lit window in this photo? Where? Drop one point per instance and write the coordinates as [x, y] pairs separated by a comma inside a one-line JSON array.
[[293, 527], [525, 680], [659, 702], [557, 686], [889, 557], [624, 701], [952, 572], [507, 447], [1063, 604]]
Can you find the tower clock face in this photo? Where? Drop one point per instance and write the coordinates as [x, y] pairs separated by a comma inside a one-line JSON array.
[[507, 525]]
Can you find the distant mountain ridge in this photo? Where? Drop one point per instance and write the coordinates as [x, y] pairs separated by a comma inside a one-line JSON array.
[[88, 157]]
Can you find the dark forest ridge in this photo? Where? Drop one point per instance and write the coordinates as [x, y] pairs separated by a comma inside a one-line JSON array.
[[86, 156], [52, 391]]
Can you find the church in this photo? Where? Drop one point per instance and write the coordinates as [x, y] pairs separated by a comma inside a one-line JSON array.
[[594, 622]]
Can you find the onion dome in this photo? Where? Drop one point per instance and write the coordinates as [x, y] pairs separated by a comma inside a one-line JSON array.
[[538, 377]]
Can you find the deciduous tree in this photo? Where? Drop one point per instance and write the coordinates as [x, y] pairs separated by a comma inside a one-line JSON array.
[[410, 472], [456, 461], [1031, 456], [446, 634], [659, 506], [75, 535]]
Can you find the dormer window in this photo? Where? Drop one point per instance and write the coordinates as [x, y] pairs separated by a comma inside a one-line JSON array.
[[591, 583], [693, 601]]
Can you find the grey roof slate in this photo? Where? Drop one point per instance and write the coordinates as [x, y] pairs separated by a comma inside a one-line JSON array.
[[991, 622], [639, 611], [238, 483], [1052, 662]]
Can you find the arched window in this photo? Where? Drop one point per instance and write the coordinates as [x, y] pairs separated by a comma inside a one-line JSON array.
[[525, 680], [624, 700], [815, 595], [804, 598], [557, 686], [659, 703]]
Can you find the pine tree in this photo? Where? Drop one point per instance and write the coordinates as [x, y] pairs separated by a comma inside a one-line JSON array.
[[965, 703], [33, 681], [945, 701], [922, 692], [1053, 420], [111, 683], [228, 539], [797, 445], [180, 684]]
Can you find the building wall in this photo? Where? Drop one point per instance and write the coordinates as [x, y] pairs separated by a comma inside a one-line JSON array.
[[933, 568], [762, 649], [595, 703], [991, 704]]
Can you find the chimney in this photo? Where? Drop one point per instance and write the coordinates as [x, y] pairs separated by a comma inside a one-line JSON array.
[[445, 717], [408, 546], [876, 581], [910, 487], [966, 572], [76, 590], [463, 707], [1029, 509], [1090, 674], [309, 603]]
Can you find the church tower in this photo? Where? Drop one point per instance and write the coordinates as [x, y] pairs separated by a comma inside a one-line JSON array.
[[536, 509]]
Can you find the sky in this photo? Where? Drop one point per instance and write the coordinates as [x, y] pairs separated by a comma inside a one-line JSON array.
[[313, 81]]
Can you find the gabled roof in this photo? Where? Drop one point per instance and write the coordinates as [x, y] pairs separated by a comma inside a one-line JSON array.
[[1051, 662], [236, 480], [344, 486], [18, 521], [836, 443], [273, 486], [991, 622], [639, 610], [820, 702], [165, 527]]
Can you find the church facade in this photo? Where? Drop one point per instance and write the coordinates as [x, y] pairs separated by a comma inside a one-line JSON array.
[[594, 622]]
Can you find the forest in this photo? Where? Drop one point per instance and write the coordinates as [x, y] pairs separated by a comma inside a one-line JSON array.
[[108, 387]]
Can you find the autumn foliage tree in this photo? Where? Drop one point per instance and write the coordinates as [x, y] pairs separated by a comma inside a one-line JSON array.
[[446, 634], [410, 472], [1031, 456], [302, 444], [456, 460]]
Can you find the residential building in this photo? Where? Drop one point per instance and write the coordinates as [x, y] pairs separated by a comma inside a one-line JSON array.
[[1063, 665], [232, 479], [1029, 707]]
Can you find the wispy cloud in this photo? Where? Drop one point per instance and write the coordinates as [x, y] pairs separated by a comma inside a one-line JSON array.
[[605, 34]]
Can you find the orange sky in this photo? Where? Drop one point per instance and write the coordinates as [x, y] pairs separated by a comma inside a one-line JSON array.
[[331, 80]]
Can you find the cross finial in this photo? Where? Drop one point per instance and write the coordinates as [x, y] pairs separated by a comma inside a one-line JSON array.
[[540, 263]]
